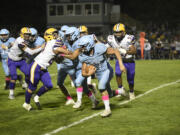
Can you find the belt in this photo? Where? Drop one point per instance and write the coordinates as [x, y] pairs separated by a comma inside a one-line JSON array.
[[128, 60]]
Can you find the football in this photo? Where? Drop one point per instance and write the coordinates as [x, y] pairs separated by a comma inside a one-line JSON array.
[[89, 67]]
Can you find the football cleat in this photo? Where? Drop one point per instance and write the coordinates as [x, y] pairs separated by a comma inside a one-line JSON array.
[[70, 102], [131, 96], [77, 105], [11, 96], [122, 91], [27, 106], [38, 105], [36, 100], [94, 104], [24, 85], [106, 113]]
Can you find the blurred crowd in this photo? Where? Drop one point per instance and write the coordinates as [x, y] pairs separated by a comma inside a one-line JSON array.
[[161, 41]]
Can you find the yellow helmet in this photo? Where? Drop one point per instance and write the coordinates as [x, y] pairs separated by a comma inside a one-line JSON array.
[[48, 34], [119, 27], [24, 30], [83, 28]]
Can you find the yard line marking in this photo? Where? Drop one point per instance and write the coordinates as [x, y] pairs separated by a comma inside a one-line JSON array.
[[96, 114]]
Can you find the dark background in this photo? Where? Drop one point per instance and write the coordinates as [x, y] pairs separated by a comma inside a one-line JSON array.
[[33, 12]]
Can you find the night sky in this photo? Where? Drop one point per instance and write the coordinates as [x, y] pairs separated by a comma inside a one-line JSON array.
[[34, 11]]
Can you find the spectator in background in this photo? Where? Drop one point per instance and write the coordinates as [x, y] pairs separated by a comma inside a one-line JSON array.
[[166, 50], [147, 50], [158, 48], [177, 52], [142, 39], [138, 49], [172, 49]]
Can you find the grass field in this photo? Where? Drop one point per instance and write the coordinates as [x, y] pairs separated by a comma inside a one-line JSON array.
[[157, 113]]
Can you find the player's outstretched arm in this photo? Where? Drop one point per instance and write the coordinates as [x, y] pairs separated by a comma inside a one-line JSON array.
[[28, 50], [118, 56], [73, 55], [61, 50]]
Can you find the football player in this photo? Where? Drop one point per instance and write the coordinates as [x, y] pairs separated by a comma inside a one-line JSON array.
[[72, 35], [61, 34], [34, 41], [66, 67], [125, 44], [38, 68], [84, 31], [6, 43], [93, 59], [16, 59]]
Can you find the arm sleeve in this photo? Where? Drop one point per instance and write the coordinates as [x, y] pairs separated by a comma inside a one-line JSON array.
[[31, 52]]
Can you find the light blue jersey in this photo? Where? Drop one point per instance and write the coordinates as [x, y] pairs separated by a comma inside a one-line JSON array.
[[75, 46], [39, 41], [104, 71], [98, 59], [4, 53], [67, 62]]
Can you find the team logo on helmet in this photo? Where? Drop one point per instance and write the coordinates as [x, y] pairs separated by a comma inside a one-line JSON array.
[[119, 27], [48, 35]]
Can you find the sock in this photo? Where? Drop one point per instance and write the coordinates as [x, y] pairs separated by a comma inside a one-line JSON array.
[[11, 92], [36, 98], [12, 85], [27, 79], [79, 93], [89, 80], [91, 97], [131, 91], [120, 86], [19, 77], [106, 102], [7, 81], [69, 97], [41, 91], [28, 97]]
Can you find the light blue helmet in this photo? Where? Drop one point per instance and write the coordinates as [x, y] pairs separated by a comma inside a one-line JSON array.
[[73, 32], [4, 32], [33, 31], [86, 41], [64, 28]]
